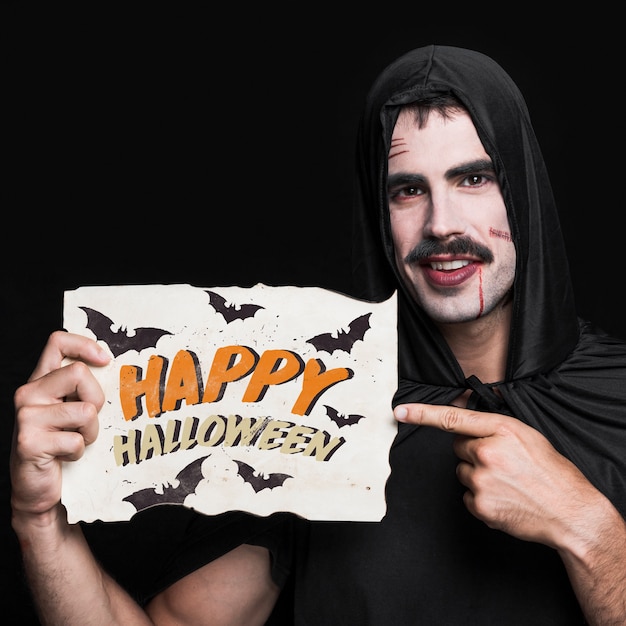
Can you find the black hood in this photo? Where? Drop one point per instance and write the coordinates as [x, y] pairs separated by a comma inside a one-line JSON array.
[[545, 327], [555, 360]]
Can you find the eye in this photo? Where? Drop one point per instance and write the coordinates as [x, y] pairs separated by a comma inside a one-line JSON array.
[[408, 191], [476, 180]]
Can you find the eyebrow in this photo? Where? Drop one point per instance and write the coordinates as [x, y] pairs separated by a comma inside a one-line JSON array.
[[472, 167], [480, 165], [404, 178]]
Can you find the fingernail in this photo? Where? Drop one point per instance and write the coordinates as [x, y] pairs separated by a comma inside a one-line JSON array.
[[400, 413]]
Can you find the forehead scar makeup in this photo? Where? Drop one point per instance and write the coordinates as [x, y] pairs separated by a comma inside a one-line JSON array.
[[395, 144], [500, 234]]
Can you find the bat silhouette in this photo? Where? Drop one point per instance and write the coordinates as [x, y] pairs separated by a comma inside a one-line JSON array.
[[231, 312], [119, 341], [344, 340], [188, 478], [260, 482], [340, 419]]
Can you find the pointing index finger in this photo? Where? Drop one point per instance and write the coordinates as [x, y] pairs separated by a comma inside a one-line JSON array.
[[449, 418]]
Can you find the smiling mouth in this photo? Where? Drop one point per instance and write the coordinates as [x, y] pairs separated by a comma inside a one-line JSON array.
[[448, 265]]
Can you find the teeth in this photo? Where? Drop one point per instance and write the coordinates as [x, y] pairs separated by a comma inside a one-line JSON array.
[[449, 265]]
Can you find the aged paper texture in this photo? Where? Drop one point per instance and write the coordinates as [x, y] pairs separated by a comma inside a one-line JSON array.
[[257, 399]]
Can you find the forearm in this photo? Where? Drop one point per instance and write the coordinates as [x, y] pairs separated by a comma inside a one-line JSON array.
[[597, 571], [67, 584]]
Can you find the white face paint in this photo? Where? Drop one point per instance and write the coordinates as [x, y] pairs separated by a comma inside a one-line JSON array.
[[442, 189]]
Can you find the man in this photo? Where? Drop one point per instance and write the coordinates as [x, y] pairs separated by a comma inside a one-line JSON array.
[[509, 511]]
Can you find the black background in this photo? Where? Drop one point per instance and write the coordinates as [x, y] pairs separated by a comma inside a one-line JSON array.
[[161, 146]]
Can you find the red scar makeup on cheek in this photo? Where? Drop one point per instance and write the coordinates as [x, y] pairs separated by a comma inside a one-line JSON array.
[[500, 234]]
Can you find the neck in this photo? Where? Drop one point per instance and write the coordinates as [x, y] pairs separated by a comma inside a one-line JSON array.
[[481, 346]]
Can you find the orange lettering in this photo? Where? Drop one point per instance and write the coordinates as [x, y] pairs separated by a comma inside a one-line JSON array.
[[230, 363]]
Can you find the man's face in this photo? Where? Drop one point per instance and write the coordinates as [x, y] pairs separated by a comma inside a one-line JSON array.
[[450, 230]]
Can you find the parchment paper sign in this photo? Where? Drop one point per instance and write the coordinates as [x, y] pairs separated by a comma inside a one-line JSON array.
[[257, 399]]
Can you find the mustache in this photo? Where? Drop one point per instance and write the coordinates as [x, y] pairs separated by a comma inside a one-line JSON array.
[[461, 245]]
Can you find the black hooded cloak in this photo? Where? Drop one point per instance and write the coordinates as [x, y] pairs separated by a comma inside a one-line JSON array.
[[429, 561]]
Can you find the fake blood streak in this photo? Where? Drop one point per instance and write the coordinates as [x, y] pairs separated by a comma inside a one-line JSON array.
[[481, 294]]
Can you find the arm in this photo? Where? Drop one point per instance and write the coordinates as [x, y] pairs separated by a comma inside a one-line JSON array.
[[56, 417], [238, 588], [66, 582], [518, 483]]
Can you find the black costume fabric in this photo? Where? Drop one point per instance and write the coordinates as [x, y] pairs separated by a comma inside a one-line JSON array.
[[429, 561]]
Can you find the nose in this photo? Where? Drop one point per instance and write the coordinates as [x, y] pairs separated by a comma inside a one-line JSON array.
[[444, 218]]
